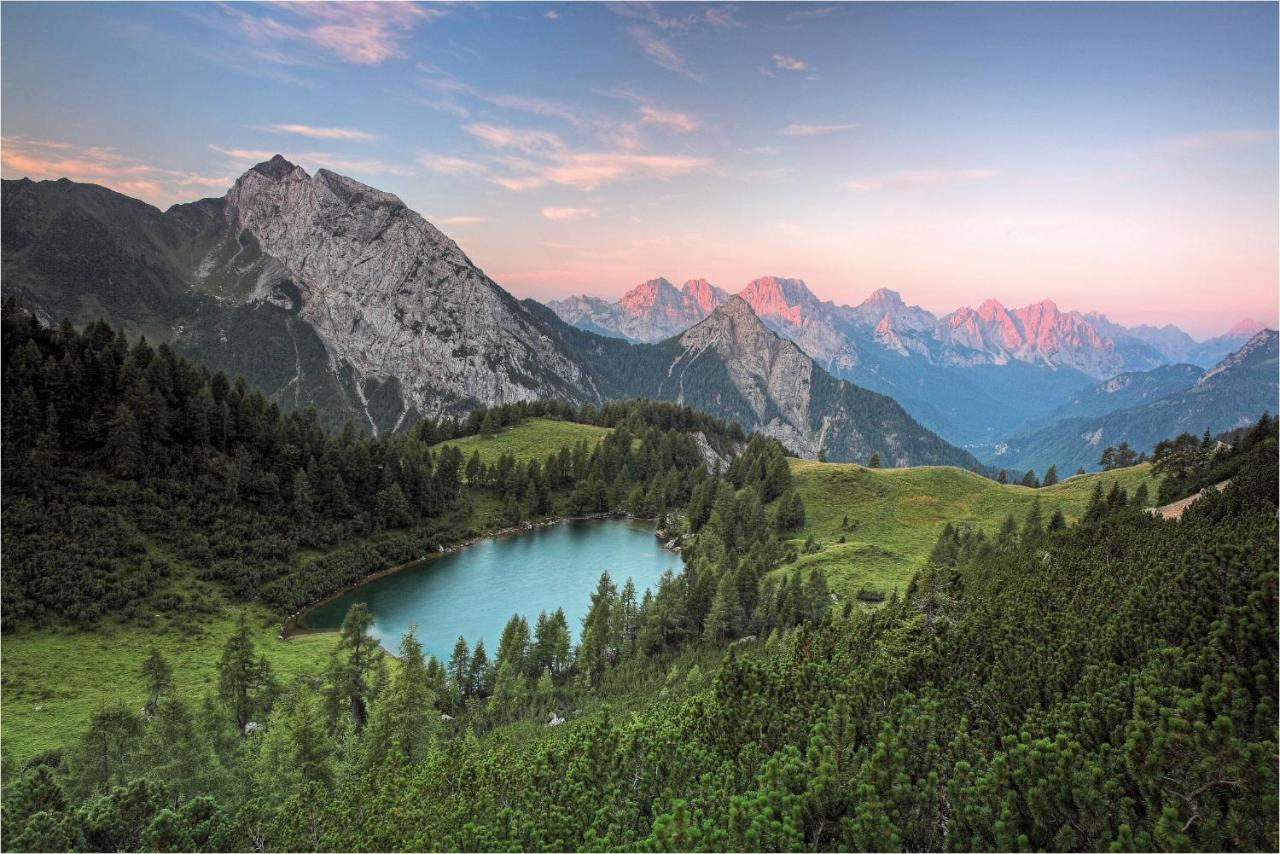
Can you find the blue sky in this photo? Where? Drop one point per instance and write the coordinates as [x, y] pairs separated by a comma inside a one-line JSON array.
[[1119, 157]]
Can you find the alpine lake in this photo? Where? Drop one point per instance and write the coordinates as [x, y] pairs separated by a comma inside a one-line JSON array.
[[473, 591]]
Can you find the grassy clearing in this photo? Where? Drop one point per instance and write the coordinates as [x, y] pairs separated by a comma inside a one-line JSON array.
[[895, 515], [55, 679], [531, 439]]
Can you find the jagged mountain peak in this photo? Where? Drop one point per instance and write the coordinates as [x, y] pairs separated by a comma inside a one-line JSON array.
[[704, 294], [276, 168], [778, 290], [648, 294]]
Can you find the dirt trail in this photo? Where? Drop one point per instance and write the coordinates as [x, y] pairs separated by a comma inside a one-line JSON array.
[[1177, 508]]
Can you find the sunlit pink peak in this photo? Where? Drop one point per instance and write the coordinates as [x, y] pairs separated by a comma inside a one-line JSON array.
[[1246, 327], [650, 293], [704, 294], [991, 309], [774, 296]]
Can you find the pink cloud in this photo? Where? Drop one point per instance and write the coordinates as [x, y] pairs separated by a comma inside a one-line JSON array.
[[364, 33], [789, 63], [566, 214], [522, 139], [681, 122], [463, 220], [343, 134], [448, 165], [589, 170], [51, 159]]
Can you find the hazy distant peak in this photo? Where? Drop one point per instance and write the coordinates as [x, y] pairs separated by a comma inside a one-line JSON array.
[[1246, 327]]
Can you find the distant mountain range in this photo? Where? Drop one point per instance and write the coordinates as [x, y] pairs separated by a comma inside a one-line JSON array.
[[327, 293], [974, 376], [1143, 408]]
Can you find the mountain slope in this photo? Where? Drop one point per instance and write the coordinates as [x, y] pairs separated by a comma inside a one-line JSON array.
[[1232, 394], [734, 366], [1124, 391], [1209, 353], [319, 289], [328, 293]]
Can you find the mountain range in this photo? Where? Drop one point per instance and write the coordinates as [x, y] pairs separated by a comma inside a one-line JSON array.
[[330, 294], [975, 375], [1143, 408]]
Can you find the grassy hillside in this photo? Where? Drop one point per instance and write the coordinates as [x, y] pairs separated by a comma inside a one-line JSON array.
[[894, 515], [99, 667], [531, 439]]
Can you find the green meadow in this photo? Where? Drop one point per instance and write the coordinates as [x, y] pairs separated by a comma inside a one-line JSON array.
[[890, 518]]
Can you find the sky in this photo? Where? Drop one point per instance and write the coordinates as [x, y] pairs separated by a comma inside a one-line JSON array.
[[1109, 156]]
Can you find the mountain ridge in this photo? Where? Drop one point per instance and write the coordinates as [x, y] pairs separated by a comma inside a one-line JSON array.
[[329, 293], [1233, 393]]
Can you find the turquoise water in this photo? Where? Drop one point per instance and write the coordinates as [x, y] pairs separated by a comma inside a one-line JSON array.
[[474, 591]]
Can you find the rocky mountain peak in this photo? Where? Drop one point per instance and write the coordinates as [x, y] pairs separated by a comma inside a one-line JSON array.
[[648, 294], [884, 297], [775, 296], [276, 168], [705, 295], [991, 310]]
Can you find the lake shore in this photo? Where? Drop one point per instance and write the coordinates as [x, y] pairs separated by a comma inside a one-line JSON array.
[[292, 626]]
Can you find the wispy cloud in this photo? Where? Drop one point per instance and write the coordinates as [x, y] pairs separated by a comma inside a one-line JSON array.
[[919, 179], [47, 159], [444, 164], [551, 15], [364, 33], [343, 134], [681, 122], [462, 220], [520, 139], [249, 155], [662, 53], [725, 17], [588, 170], [650, 14], [814, 130], [789, 63], [567, 214]]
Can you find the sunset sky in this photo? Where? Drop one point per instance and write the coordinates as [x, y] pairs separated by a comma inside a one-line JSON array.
[[1112, 157]]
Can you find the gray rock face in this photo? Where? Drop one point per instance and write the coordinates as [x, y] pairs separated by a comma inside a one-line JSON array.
[[771, 373], [391, 296]]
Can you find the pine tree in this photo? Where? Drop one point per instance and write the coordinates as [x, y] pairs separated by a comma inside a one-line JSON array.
[[726, 618], [460, 668], [352, 671], [1050, 476], [245, 682], [404, 718], [157, 675]]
